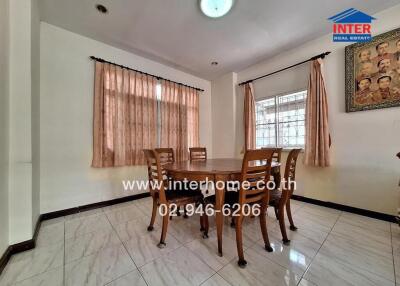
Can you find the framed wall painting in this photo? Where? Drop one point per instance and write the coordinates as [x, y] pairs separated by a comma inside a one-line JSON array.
[[373, 73]]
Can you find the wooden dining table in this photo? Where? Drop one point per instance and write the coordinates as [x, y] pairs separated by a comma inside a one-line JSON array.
[[224, 170]]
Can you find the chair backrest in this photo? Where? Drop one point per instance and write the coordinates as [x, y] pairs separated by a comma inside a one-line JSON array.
[[198, 154], [290, 169], [277, 153], [167, 155], [156, 175], [256, 170]]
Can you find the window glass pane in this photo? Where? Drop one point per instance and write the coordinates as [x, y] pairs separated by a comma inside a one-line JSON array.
[[280, 121], [265, 123], [291, 118]]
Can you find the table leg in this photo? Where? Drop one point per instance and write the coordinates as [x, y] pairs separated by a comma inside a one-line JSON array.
[[219, 217]]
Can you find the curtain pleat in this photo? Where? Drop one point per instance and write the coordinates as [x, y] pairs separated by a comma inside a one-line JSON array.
[[124, 116], [179, 118], [249, 117], [317, 128]]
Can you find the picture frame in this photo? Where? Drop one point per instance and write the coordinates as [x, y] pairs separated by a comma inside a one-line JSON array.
[[372, 73]]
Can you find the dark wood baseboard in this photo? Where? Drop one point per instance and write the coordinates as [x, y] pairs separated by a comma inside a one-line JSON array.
[[5, 258], [83, 208], [363, 212], [31, 243], [20, 247]]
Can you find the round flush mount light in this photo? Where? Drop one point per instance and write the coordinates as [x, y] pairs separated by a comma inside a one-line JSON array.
[[215, 8], [101, 8]]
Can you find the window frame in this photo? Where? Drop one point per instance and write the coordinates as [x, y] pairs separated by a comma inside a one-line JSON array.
[[276, 118]]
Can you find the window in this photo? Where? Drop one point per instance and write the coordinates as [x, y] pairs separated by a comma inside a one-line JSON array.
[[132, 112], [280, 121]]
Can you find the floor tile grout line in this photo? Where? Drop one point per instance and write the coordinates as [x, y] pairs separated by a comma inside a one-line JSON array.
[[86, 233], [84, 216], [37, 274], [376, 274], [181, 244], [312, 260], [269, 259], [215, 274], [394, 264], [123, 275], [201, 259], [133, 261], [154, 259]]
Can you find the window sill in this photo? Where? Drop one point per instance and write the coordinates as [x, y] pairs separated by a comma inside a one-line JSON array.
[[287, 150]]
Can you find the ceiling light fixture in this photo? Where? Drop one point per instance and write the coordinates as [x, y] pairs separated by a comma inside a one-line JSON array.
[[101, 8], [215, 8], [214, 63]]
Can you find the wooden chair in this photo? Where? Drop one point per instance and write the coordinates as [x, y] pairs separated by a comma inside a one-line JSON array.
[[281, 198], [167, 155], [256, 170], [277, 153], [163, 196], [276, 158], [198, 154]]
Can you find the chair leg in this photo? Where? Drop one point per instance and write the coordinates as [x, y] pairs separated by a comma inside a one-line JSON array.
[[239, 241], [233, 222], [153, 215], [162, 243], [276, 212], [185, 214], [263, 225], [281, 215], [206, 226], [202, 223], [289, 214]]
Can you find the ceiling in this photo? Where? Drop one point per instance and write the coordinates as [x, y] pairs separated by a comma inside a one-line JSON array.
[[176, 33]]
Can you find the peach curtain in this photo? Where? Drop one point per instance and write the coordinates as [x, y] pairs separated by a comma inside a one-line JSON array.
[[249, 117], [124, 116], [179, 108], [317, 129]]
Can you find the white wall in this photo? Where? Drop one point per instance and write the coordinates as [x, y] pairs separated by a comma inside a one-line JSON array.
[[4, 131], [364, 171], [35, 109], [224, 116], [20, 143], [66, 100]]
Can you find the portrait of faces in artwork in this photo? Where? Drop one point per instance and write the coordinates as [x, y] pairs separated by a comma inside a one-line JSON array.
[[377, 73]]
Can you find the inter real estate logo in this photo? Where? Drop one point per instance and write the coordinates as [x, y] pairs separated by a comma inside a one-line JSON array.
[[352, 26]]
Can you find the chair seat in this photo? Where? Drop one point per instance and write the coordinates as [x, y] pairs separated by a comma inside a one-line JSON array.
[[180, 197], [233, 198], [230, 198]]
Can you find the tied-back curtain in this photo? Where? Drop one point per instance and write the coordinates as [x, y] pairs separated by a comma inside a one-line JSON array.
[[249, 117], [179, 108], [124, 116], [317, 128]]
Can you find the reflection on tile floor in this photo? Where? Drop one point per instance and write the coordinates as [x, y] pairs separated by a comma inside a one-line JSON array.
[[111, 246]]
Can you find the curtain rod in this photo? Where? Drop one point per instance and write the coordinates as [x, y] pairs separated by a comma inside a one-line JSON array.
[[320, 56], [142, 72]]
